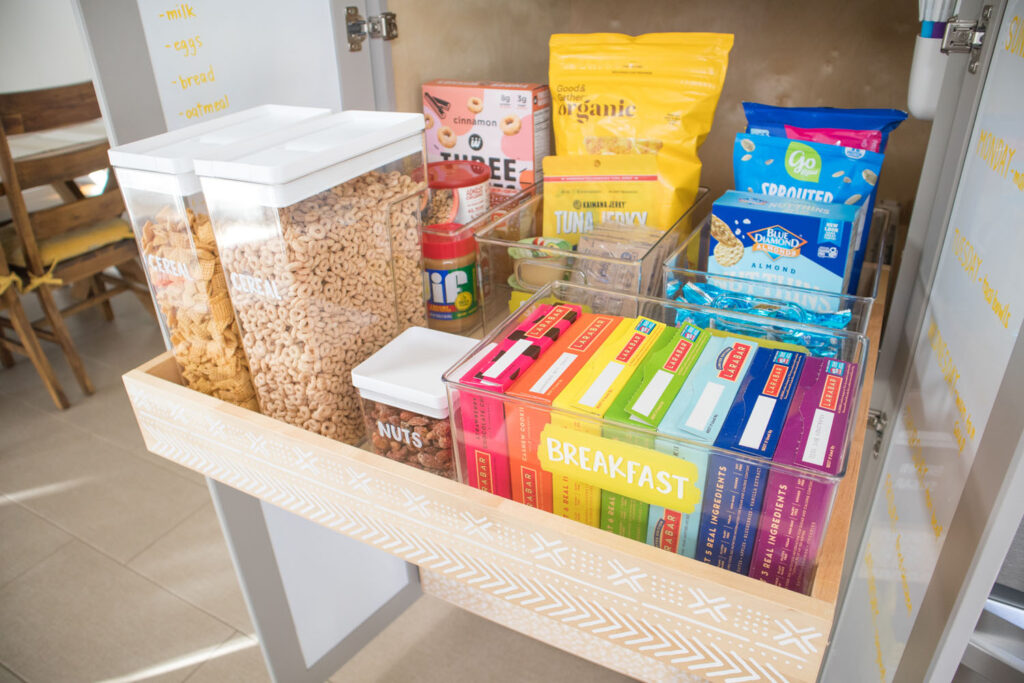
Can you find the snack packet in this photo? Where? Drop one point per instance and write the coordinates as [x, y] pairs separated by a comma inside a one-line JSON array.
[[653, 94], [583, 191], [866, 129], [626, 244], [861, 128]]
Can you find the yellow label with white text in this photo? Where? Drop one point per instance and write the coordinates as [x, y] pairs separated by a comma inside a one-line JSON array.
[[629, 470]]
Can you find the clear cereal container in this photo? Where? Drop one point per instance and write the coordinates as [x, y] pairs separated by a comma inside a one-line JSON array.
[[740, 467], [177, 246], [686, 279], [319, 238], [516, 259], [404, 402]]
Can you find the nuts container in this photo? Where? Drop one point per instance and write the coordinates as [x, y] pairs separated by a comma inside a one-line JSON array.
[[404, 401], [176, 243], [319, 237]]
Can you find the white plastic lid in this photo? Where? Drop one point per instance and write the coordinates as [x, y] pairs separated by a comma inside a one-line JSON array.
[[406, 373], [174, 152], [317, 155]]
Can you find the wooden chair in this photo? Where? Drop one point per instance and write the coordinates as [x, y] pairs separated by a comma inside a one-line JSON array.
[[25, 342], [77, 240]]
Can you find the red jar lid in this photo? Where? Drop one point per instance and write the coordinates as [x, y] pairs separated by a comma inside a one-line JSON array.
[[447, 175], [447, 241]]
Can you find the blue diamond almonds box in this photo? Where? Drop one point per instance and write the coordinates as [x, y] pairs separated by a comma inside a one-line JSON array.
[[786, 241]]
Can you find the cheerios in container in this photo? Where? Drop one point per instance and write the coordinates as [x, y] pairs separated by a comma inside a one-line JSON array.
[[319, 237]]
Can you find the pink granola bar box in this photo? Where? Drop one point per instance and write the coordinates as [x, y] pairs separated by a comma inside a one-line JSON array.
[[504, 125], [795, 508], [486, 458]]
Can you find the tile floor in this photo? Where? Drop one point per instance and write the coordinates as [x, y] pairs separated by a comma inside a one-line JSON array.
[[113, 567]]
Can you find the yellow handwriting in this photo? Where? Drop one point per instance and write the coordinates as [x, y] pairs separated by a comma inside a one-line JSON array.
[[951, 374], [180, 12], [869, 561], [995, 152], [921, 469], [205, 108], [970, 260], [188, 47], [1015, 37]]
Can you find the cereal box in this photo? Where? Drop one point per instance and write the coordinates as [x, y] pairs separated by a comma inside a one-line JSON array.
[[541, 383], [592, 392], [697, 414], [504, 125], [755, 419], [780, 240], [483, 417]]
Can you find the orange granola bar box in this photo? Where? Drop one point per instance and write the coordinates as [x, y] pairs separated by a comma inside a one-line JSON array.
[[504, 125], [541, 383]]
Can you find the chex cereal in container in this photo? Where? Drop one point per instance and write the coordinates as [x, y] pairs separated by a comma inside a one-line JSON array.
[[177, 246], [319, 237]]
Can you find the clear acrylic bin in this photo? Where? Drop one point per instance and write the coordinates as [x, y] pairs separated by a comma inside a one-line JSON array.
[[764, 517], [511, 272], [319, 237], [687, 265], [176, 243]]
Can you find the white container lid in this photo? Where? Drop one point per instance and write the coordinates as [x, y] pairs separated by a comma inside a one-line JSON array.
[[406, 373], [174, 152], [317, 156]]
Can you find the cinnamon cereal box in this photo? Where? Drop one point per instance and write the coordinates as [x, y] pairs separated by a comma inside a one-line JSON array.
[[504, 125]]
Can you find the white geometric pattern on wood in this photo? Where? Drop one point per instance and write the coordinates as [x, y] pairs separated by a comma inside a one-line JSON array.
[[667, 610]]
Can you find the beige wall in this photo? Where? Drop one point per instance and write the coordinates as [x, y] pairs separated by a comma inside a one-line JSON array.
[[802, 52]]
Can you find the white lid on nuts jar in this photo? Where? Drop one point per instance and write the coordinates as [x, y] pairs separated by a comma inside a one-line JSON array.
[[319, 155], [406, 373], [165, 163]]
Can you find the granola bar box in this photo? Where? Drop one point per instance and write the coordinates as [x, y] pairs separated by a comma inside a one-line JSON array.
[[504, 125], [404, 401]]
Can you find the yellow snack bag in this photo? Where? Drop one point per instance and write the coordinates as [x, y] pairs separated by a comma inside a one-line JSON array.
[[653, 94], [583, 191]]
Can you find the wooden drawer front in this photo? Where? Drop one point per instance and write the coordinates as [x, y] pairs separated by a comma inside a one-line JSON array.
[[658, 616]]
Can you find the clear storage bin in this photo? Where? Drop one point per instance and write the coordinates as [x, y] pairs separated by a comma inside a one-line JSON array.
[[177, 246], [319, 237], [513, 267], [687, 265], [762, 516]]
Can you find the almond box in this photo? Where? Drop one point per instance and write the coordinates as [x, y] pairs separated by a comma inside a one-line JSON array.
[[504, 125]]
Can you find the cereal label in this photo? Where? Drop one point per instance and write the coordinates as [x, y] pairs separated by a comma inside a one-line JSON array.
[[503, 125]]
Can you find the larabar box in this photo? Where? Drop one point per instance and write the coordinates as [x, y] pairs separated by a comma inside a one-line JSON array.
[[642, 404], [697, 414], [504, 125], [483, 417], [592, 392], [796, 507], [755, 420], [541, 383]]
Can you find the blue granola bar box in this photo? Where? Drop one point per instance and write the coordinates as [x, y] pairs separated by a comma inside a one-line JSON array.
[[781, 240]]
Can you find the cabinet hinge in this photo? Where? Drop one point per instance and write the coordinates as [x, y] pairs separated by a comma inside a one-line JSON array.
[[877, 420], [383, 26], [967, 36]]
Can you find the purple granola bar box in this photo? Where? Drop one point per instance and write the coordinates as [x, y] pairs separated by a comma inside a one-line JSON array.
[[814, 435], [795, 507]]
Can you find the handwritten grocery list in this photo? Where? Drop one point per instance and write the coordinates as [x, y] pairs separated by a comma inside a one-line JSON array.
[[212, 57]]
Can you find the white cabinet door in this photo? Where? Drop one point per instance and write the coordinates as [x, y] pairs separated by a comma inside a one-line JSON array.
[[945, 507]]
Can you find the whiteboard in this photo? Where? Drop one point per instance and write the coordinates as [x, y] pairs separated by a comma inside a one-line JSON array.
[[162, 65], [212, 57]]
